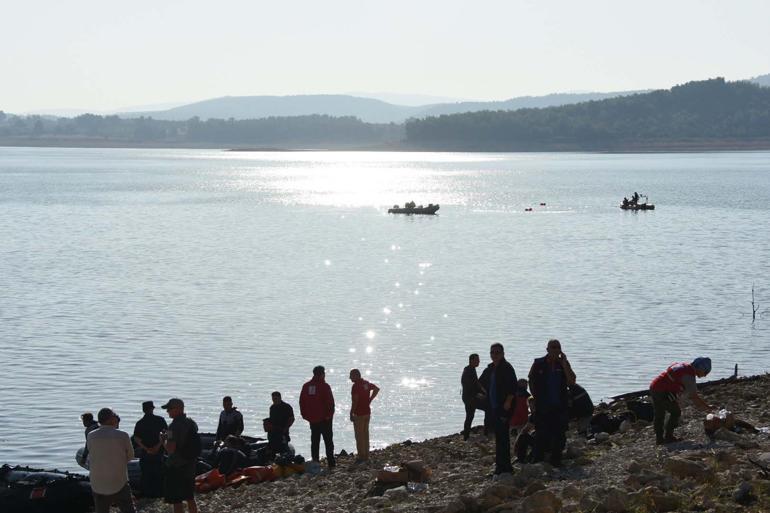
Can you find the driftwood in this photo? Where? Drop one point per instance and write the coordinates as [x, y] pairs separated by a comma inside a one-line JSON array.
[[732, 379]]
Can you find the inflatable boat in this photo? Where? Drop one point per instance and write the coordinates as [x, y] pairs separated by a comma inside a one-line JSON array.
[[29, 490]]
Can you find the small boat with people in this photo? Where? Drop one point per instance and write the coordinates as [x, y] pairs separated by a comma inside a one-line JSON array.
[[634, 204], [412, 208]]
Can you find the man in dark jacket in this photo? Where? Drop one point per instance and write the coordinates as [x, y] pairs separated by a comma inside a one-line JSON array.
[[499, 379], [182, 444], [280, 420], [549, 378], [230, 420], [147, 437], [471, 391], [316, 405]]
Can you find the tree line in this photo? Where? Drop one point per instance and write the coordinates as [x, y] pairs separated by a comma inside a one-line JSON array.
[[314, 130], [705, 110], [699, 113]]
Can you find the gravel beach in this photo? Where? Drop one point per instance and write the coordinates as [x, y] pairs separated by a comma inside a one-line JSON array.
[[622, 472]]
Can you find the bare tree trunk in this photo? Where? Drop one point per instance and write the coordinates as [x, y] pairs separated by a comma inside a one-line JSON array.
[[754, 307]]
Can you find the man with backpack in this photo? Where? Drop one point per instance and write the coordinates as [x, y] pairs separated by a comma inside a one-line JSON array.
[[183, 445]]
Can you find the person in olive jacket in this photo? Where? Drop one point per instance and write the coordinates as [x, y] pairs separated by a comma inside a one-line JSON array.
[[499, 380]]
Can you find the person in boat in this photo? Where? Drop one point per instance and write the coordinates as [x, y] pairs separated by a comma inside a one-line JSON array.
[[231, 456], [549, 379], [230, 420], [665, 391], [110, 451], [625, 202], [280, 420], [635, 198], [147, 436]]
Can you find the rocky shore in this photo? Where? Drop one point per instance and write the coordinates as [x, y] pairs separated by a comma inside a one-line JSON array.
[[623, 472]]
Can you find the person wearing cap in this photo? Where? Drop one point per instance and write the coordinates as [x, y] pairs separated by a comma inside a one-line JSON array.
[[362, 394], [230, 420], [316, 405], [179, 441], [665, 390], [110, 450], [147, 437]]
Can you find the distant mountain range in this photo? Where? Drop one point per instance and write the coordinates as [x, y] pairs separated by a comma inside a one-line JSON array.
[[711, 114], [369, 110]]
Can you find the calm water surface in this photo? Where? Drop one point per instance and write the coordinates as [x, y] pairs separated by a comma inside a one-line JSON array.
[[129, 275]]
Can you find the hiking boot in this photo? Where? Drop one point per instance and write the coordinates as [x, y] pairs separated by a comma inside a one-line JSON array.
[[671, 439], [659, 441]]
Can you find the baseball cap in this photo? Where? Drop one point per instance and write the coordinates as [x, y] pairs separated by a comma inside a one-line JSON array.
[[174, 402]]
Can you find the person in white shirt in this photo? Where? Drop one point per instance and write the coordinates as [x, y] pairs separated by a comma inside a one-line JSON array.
[[109, 451]]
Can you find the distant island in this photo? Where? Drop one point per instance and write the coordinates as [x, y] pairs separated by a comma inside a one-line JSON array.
[[697, 116]]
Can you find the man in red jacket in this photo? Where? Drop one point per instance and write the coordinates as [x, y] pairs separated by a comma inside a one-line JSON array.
[[316, 404], [666, 389]]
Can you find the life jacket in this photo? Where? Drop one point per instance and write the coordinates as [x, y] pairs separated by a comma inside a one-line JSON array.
[[671, 379]]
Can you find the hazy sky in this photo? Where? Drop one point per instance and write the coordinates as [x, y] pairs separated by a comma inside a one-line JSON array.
[[107, 55]]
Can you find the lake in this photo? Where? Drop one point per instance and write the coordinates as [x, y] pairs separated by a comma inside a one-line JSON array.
[[132, 275]]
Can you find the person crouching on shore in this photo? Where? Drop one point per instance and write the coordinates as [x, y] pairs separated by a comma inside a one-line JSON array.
[[665, 391]]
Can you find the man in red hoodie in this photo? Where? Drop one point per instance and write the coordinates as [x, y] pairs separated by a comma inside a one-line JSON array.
[[316, 404]]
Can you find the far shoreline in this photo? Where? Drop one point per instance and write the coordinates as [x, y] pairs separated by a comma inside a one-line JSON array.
[[673, 147]]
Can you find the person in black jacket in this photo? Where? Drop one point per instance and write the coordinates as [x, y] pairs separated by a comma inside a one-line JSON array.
[[147, 437], [230, 420], [472, 389], [499, 380], [581, 408], [549, 379]]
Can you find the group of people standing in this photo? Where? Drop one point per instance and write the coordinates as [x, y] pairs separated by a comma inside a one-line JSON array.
[[168, 453], [506, 402], [553, 399]]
